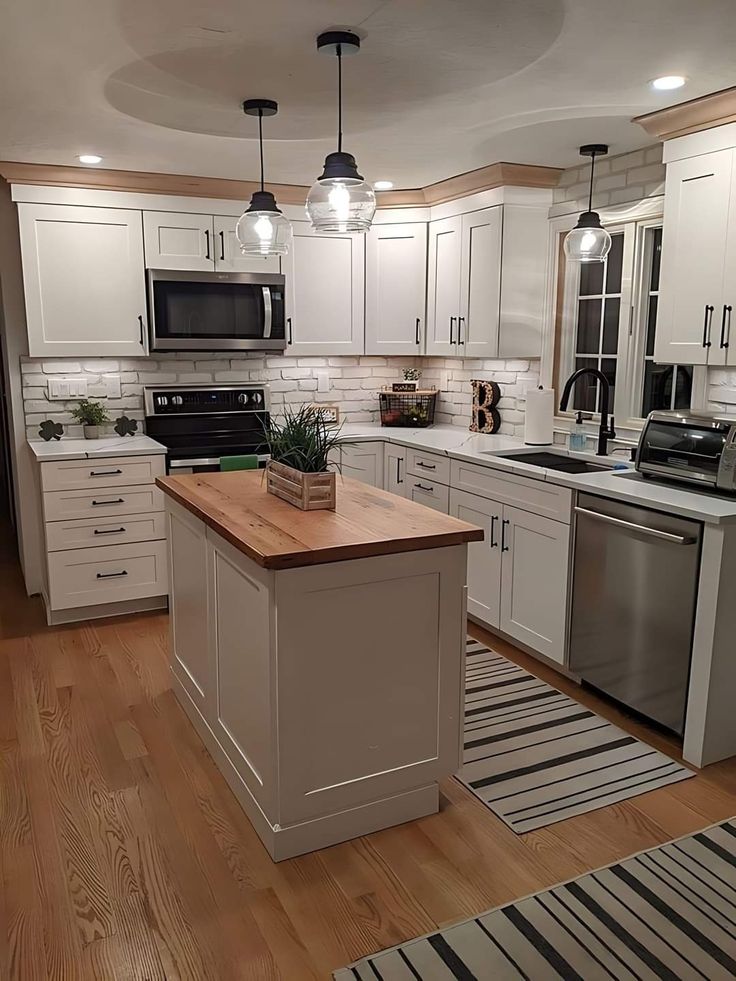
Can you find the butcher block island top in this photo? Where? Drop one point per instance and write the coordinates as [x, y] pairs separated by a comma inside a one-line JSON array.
[[277, 535]]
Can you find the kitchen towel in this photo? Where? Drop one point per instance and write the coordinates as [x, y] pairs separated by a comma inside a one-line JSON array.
[[539, 418]]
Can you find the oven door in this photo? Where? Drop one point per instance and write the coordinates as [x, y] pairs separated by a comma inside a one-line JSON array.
[[206, 464], [192, 311]]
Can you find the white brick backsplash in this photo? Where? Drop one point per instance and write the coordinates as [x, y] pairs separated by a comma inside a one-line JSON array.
[[353, 383]]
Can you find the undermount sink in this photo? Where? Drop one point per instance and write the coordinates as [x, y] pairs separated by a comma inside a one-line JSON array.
[[555, 461]]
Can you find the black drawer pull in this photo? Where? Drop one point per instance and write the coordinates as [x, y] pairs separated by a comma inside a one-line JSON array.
[[104, 473], [207, 239], [108, 531], [504, 524], [418, 336], [494, 519], [98, 504], [426, 466], [222, 245], [422, 487], [726, 338], [706, 324], [111, 575]]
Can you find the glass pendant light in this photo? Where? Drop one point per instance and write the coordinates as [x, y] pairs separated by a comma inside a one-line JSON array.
[[589, 241], [340, 200], [262, 229]]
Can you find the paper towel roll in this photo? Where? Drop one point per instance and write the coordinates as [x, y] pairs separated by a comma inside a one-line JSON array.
[[539, 419]]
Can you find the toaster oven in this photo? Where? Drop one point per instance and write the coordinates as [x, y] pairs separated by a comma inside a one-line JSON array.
[[691, 447]]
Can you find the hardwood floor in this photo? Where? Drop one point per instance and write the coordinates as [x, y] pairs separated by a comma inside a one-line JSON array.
[[124, 855]]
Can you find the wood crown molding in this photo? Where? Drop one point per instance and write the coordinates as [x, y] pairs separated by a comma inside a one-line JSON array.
[[483, 179], [705, 112]]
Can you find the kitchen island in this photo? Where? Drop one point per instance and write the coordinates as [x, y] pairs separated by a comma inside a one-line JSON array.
[[319, 654]]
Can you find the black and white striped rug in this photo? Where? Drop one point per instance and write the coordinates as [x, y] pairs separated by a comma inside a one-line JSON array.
[[668, 913], [534, 756]]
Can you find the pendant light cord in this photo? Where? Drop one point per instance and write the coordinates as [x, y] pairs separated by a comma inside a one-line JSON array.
[[590, 193], [339, 97], [260, 141]]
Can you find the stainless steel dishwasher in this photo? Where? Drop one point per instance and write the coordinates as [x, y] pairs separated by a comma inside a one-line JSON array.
[[635, 584]]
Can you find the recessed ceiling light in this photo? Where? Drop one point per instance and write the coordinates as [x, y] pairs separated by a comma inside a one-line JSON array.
[[89, 158], [667, 82], [383, 185]]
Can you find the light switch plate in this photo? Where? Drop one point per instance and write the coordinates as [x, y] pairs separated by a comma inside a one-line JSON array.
[[61, 389]]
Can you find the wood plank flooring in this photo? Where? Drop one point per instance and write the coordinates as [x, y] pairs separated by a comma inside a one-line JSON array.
[[123, 855]]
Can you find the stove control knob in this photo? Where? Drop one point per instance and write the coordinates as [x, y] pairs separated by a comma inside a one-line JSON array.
[[242, 398], [177, 400], [256, 398], [161, 400]]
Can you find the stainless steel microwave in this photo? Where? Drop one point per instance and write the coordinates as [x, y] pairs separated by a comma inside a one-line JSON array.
[[209, 311]]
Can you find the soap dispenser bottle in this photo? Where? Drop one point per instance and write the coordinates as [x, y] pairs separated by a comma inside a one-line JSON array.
[[577, 435]]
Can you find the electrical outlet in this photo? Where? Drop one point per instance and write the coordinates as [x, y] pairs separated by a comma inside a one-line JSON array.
[[330, 413]]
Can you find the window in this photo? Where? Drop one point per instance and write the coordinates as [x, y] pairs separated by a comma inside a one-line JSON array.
[[607, 320]]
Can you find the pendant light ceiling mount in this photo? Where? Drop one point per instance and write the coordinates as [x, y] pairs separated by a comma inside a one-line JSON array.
[[589, 241], [340, 200], [262, 229]]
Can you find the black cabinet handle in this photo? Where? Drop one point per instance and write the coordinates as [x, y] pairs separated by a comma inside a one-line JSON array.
[[111, 575], [452, 336], [726, 338], [426, 466], [494, 519], [108, 531], [207, 240], [97, 504], [104, 473], [504, 524], [222, 245], [460, 322], [140, 326], [422, 487], [288, 321], [398, 470], [706, 324], [417, 330]]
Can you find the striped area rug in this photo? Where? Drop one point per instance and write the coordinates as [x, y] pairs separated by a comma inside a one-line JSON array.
[[534, 756], [668, 913]]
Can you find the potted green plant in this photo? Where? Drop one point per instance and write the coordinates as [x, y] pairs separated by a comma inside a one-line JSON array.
[[92, 416], [299, 470]]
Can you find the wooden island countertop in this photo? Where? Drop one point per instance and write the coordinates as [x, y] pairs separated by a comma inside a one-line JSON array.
[[277, 535]]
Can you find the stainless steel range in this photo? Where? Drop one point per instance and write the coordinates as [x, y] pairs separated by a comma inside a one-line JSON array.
[[200, 424]]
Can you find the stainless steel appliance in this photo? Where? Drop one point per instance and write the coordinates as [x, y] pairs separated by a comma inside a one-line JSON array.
[[190, 311], [635, 583], [199, 424], [692, 447]]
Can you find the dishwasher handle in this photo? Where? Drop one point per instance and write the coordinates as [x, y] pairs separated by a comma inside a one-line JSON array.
[[663, 536]]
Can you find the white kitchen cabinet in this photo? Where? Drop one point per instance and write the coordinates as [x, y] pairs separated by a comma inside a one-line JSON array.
[[179, 241], [228, 257], [534, 581], [429, 493], [480, 284], [395, 288], [699, 221], [484, 558], [325, 293], [443, 285], [363, 461], [84, 280], [394, 469]]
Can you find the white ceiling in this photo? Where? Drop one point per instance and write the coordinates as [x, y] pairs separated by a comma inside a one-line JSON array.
[[440, 86]]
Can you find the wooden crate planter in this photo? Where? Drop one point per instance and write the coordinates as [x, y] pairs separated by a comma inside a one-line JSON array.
[[308, 491]]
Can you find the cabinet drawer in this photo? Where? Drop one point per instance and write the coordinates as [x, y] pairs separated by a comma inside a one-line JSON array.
[[88, 576], [113, 472], [431, 465], [427, 492], [537, 496], [106, 501], [88, 532]]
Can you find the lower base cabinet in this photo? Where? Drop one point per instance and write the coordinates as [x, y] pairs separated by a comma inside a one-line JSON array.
[[363, 461], [517, 576], [394, 469]]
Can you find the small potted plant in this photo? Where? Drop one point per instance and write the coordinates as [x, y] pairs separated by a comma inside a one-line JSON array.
[[299, 470], [92, 416]]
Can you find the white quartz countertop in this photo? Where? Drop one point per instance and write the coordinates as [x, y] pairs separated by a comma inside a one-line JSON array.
[[94, 449], [623, 484]]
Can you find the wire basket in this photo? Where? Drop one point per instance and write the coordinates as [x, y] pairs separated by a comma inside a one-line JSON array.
[[411, 409]]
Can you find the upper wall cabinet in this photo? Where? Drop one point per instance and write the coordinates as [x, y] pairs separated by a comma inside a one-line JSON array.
[[325, 289], [697, 288], [486, 283], [84, 280], [198, 243], [395, 288]]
